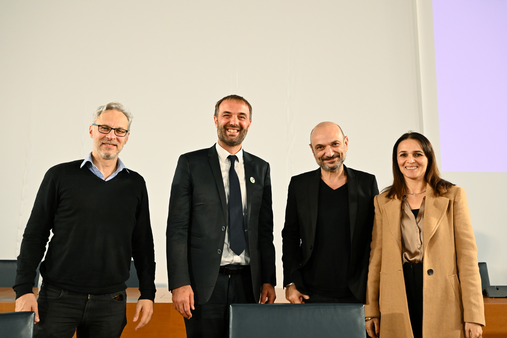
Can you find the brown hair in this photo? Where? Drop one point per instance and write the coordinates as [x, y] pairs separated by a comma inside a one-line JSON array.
[[234, 97], [432, 176]]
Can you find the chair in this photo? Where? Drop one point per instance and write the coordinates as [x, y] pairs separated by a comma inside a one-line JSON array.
[[297, 320], [133, 281], [483, 271], [492, 291], [8, 273], [16, 324]]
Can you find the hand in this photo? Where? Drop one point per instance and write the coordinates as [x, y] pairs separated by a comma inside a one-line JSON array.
[[183, 300], [294, 296], [28, 302], [268, 294], [473, 330], [373, 327], [144, 306]]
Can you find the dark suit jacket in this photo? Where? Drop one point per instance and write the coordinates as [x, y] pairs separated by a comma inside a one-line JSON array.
[[301, 219], [198, 217]]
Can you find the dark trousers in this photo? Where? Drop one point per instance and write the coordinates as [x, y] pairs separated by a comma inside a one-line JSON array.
[[63, 312], [414, 287], [211, 320]]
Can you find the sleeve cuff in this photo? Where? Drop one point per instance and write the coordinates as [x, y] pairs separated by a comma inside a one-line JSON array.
[[148, 294]]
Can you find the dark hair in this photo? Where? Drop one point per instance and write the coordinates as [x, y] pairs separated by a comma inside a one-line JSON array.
[[234, 97], [432, 176]]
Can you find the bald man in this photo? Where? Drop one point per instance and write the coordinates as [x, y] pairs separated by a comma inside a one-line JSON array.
[[328, 225]]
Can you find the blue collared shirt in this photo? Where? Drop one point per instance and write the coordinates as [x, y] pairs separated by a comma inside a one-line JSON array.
[[89, 164]]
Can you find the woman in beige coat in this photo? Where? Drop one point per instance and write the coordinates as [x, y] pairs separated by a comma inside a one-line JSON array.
[[423, 278]]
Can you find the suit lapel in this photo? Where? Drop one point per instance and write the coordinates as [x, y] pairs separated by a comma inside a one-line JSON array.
[[249, 173], [434, 211], [353, 196], [313, 196], [393, 214], [219, 181]]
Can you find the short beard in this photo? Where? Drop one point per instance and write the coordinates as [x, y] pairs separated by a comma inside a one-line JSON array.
[[333, 168], [222, 136], [108, 156]]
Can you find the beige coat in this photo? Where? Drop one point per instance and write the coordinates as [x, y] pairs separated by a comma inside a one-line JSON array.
[[451, 281]]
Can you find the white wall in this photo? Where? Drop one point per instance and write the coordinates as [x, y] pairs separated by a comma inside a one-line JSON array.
[[484, 189], [297, 62]]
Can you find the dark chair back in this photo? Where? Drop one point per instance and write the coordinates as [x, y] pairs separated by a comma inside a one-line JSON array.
[[483, 270], [8, 273], [297, 320], [133, 281], [488, 290], [16, 324]]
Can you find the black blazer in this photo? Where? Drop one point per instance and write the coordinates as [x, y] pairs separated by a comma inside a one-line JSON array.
[[300, 224], [198, 217]]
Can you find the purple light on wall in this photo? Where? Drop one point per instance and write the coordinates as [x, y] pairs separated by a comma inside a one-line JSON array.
[[471, 62]]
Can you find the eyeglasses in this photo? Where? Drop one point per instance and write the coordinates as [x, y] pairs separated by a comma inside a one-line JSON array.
[[103, 129]]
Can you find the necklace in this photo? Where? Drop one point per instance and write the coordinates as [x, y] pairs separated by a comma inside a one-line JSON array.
[[416, 193]]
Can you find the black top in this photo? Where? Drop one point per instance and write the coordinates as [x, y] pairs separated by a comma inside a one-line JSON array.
[[97, 227], [326, 271], [301, 224]]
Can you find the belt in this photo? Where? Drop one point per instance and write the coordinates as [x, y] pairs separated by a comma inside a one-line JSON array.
[[233, 269]]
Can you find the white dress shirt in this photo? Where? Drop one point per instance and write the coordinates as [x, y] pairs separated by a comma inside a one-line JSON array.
[[228, 256]]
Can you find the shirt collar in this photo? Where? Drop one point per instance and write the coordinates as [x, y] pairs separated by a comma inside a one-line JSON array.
[[223, 154], [88, 159]]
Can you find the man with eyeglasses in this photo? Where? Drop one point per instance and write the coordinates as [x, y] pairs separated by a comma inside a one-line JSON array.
[[220, 227], [97, 211]]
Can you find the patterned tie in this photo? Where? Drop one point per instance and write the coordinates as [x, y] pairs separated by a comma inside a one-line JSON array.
[[236, 228]]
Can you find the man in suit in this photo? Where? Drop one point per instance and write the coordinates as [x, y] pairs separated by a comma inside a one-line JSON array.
[[220, 227], [328, 225]]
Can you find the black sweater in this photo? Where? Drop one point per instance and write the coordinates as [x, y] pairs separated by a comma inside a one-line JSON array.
[[97, 227]]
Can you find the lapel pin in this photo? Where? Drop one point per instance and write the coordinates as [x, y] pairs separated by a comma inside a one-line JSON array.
[[252, 179]]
